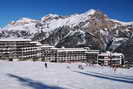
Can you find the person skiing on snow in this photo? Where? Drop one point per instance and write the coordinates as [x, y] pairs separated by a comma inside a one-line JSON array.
[[46, 65]]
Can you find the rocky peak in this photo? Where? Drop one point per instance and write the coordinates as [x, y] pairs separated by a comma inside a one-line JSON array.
[[99, 15], [50, 17]]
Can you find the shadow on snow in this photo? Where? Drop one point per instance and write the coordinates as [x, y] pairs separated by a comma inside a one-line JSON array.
[[109, 77], [32, 83]]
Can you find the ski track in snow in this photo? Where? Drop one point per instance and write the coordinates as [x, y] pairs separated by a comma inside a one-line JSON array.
[[34, 75]]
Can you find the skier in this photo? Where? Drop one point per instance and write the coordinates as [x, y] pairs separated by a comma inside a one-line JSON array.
[[46, 65], [80, 67]]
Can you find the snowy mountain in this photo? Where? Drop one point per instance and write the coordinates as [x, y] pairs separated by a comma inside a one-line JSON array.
[[92, 28]]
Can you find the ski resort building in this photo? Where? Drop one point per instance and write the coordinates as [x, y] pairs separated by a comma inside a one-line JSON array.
[[25, 49], [110, 58], [68, 54], [21, 49], [46, 52], [92, 55]]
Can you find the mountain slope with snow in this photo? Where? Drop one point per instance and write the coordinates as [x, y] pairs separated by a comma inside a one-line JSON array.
[[92, 28]]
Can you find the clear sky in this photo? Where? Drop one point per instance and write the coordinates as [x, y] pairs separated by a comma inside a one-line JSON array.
[[15, 9]]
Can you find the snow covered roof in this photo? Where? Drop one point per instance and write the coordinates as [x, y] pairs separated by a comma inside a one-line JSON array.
[[92, 51], [117, 54], [36, 42], [110, 54], [13, 39], [46, 45], [70, 49]]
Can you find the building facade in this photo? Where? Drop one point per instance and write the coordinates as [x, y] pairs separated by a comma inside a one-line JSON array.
[[46, 52], [68, 54], [25, 49], [92, 56], [110, 58], [21, 49]]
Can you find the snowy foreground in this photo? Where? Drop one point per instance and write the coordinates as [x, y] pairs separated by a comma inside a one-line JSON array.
[[33, 75]]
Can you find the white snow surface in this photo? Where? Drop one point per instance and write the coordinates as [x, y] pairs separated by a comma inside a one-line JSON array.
[[30, 27], [14, 39], [33, 75], [71, 21]]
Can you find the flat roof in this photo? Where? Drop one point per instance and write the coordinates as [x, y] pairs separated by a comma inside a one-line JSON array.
[[110, 54], [36, 42], [70, 49], [14, 39], [92, 51], [46, 45]]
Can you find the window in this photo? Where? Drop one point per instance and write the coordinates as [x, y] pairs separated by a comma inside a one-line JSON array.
[[101, 57]]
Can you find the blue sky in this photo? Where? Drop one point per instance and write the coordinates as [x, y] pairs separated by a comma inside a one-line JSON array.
[[15, 9]]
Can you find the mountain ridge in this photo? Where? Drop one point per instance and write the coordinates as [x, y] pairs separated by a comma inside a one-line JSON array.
[[93, 29]]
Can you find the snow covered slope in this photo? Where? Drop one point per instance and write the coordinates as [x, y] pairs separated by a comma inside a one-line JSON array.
[[33, 75], [52, 22]]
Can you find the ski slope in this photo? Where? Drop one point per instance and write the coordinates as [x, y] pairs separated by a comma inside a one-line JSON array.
[[34, 75]]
